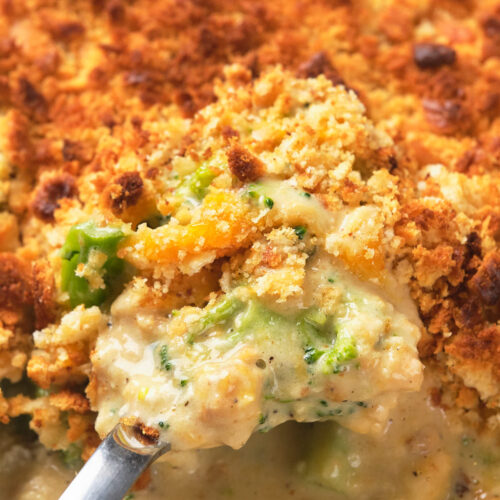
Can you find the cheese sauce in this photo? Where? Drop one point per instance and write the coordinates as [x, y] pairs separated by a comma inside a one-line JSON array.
[[420, 454], [263, 364]]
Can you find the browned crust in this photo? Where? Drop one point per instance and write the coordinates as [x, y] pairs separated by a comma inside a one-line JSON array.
[[229, 133], [486, 282], [245, 166], [43, 294], [480, 350], [125, 191], [29, 99], [15, 283], [75, 151], [19, 144], [320, 64], [490, 23], [66, 400], [433, 55], [50, 192], [16, 299], [66, 30], [64, 365], [463, 300]]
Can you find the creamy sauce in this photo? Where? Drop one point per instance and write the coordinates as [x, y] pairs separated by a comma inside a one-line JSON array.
[[29, 471], [297, 461], [251, 373], [420, 455]]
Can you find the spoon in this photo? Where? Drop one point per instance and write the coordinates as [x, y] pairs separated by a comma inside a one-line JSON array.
[[114, 466]]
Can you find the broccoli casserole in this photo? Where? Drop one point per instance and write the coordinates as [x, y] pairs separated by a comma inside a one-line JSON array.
[[266, 233]]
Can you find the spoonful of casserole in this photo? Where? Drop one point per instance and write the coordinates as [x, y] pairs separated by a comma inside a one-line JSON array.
[[261, 288]]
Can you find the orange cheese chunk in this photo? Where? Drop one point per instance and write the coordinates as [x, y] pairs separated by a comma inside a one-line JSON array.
[[222, 225]]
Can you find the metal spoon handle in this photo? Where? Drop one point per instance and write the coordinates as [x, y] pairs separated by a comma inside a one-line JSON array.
[[112, 469]]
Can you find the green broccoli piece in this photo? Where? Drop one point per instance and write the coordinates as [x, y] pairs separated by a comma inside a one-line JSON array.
[[256, 192], [80, 241], [343, 350], [311, 354], [72, 456], [196, 184], [215, 315], [313, 318], [300, 231]]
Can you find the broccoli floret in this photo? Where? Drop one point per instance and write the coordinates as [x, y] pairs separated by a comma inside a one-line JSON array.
[[196, 184], [80, 241]]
